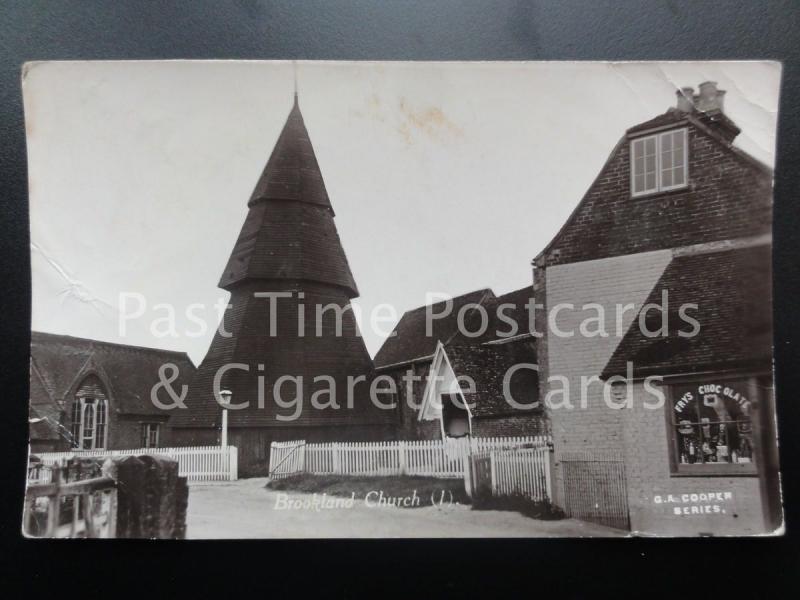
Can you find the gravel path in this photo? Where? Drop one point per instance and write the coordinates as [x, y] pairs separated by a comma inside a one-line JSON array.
[[246, 509]]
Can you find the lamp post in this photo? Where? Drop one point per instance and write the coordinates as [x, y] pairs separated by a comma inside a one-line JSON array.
[[225, 401]]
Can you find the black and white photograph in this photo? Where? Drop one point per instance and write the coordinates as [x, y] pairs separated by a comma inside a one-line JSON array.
[[343, 299]]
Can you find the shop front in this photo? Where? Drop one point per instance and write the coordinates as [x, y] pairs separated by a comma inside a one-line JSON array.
[[706, 462]]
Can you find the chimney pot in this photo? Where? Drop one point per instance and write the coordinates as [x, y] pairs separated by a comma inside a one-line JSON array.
[[710, 98], [685, 99], [708, 89]]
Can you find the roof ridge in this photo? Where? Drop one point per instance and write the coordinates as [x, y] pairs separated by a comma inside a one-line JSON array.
[[483, 291], [99, 343]]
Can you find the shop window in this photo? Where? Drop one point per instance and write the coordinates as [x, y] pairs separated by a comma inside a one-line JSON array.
[[711, 427]]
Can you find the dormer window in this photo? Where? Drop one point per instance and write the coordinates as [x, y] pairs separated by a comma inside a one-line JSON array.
[[659, 162]]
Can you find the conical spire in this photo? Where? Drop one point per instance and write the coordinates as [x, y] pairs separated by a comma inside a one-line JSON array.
[[292, 172], [289, 232], [288, 243]]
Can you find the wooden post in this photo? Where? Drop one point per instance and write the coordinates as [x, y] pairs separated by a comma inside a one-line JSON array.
[[233, 463], [88, 515], [302, 457], [337, 460], [469, 480], [547, 457], [401, 449], [224, 441], [492, 470], [54, 508]]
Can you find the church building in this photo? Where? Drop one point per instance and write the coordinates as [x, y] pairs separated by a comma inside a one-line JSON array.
[[292, 375]]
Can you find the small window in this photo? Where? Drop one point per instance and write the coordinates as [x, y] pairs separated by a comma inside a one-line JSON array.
[[712, 429], [150, 433], [659, 162]]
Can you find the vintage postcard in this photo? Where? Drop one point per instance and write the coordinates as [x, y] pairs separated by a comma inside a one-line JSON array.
[[358, 300]]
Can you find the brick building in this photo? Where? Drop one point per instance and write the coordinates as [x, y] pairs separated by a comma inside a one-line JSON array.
[[680, 218], [87, 395], [425, 367], [287, 262]]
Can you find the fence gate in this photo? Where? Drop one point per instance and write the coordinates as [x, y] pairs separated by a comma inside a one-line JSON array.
[[595, 489], [287, 458]]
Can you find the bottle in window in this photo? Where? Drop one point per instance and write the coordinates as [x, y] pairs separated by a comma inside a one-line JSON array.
[[745, 451], [722, 443]]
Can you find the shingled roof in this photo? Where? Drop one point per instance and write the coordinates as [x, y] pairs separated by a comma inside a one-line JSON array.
[[718, 122], [288, 243], [59, 362], [487, 365], [289, 232], [733, 293], [292, 171], [408, 341], [513, 306]]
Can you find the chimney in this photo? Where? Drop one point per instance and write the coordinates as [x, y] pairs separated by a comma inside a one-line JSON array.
[[685, 99], [710, 99]]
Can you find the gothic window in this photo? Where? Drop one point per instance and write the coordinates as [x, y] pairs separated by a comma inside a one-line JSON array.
[[89, 416]]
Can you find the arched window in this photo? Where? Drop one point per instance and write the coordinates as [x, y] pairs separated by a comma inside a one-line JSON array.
[[89, 416]]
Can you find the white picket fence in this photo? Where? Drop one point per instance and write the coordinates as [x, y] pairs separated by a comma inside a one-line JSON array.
[[196, 463], [433, 458], [521, 471]]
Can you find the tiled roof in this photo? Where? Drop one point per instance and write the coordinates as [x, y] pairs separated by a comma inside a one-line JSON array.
[[487, 365], [513, 306], [717, 121], [43, 411], [670, 117], [733, 293], [408, 340], [129, 371]]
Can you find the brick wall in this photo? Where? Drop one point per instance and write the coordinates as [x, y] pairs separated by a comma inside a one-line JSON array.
[[127, 432], [728, 197], [607, 282], [509, 426]]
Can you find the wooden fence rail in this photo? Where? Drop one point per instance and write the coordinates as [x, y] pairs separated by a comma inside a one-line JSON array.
[[84, 508], [196, 463]]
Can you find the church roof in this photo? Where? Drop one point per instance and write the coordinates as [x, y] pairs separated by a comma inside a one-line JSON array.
[[408, 341], [59, 362], [289, 232]]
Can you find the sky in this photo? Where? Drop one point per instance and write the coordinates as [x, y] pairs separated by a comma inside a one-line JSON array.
[[445, 177]]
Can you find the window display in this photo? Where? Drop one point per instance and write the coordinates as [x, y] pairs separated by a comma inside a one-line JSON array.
[[712, 423]]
